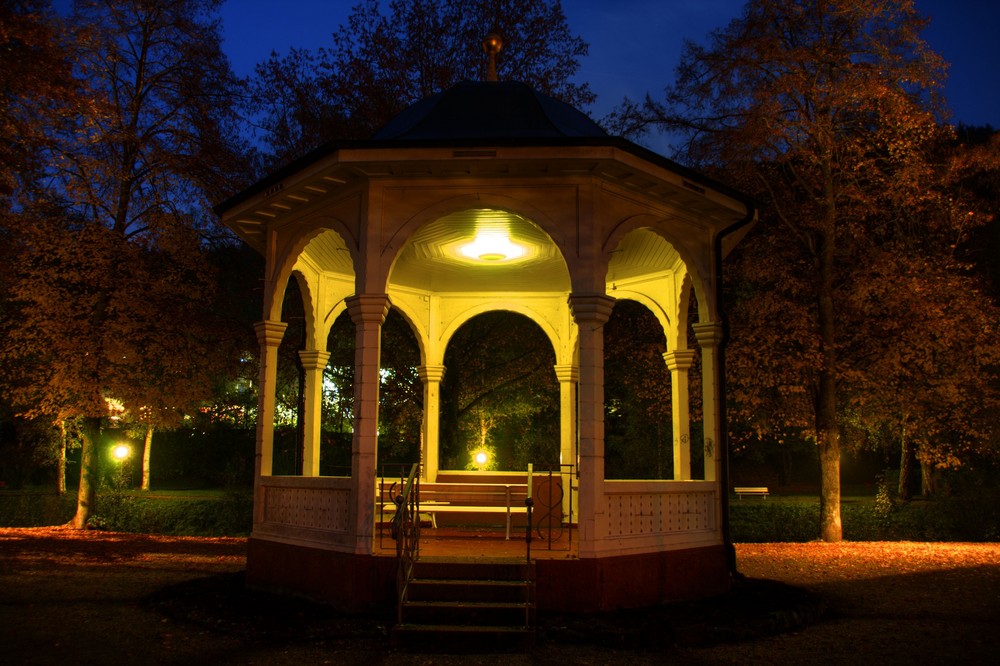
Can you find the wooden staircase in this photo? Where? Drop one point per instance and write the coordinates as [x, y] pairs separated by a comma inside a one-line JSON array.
[[462, 605]]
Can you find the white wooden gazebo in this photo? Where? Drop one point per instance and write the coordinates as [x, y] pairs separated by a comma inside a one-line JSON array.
[[491, 196]]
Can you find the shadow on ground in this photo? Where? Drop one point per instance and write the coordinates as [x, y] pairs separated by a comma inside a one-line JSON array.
[[755, 608]]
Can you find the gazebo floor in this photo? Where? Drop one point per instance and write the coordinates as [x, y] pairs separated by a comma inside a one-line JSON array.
[[483, 543]]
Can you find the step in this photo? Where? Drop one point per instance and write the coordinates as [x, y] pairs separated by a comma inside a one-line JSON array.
[[447, 638], [457, 613], [494, 591], [468, 605]]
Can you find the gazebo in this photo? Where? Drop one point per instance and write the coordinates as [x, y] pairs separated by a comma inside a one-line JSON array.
[[491, 196]]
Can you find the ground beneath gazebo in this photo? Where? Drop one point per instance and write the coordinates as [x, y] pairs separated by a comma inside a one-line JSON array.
[[94, 597]]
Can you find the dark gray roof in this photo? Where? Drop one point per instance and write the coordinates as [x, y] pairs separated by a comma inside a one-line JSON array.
[[488, 110]]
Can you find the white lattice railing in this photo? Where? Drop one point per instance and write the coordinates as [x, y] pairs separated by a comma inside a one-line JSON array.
[[658, 508], [309, 508]]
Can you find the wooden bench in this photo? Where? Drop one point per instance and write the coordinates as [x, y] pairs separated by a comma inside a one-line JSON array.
[[759, 491], [498, 499]]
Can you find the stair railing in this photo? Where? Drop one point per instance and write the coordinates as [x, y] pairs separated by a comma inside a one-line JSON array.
[[406, 533]]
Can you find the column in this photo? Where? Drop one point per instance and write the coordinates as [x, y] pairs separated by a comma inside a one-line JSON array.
[[431, 376], [313, 362], [269, 334], [368, 313], [568, 376], [709, 336], [591, 312], [679, 362]]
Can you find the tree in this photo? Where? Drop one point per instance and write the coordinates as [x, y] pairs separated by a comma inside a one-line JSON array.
[[112, 281], [823, 109], [379, 63]]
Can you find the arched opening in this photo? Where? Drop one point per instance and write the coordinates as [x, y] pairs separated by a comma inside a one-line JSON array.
[[499, 396], [400, 394], [638, 416]]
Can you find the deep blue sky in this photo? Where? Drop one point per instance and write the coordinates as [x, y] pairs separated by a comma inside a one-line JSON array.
[[635, 44]]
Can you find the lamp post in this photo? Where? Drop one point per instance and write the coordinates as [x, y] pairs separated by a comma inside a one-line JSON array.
[[120, 453]]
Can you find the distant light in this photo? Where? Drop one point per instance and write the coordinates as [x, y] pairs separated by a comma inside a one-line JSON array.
[[121, 452], [482, 458]]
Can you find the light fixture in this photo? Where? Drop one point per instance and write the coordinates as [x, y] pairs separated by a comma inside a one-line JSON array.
[[121, 452], [492, 245], [482, 458]]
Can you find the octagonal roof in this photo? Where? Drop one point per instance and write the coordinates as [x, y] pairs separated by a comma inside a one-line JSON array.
[[488, 110]]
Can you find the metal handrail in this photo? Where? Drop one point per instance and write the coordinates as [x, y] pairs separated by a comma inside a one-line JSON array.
[[405, 530]]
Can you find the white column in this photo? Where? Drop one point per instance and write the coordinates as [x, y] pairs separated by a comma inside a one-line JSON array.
[[679, 362], [368, 312], [568, 376], [269, 334], [709, 336], [313, 362], [431, 376], [591, 312]]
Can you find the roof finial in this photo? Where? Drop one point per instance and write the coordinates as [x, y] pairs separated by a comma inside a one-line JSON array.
[[492, 44]]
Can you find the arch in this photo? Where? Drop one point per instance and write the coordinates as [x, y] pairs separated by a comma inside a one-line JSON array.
[[418, 332], [700, 272], [488, 405], [497, 306], [287, 256]]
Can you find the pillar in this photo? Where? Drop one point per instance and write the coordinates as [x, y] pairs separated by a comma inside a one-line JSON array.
[[313, 362], [269, 334], [591, 312], [431, 376], [368, 312], [568, 376], [709, 337], [679, 362]]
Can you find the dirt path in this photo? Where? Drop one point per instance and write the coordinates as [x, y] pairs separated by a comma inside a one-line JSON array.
[[99, 598]]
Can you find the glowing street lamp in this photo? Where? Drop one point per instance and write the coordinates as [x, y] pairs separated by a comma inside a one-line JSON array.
[[121, 452]]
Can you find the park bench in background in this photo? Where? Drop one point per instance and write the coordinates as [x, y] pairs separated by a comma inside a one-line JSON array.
[[755, 491]]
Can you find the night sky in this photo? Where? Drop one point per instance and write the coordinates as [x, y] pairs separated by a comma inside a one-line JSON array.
[[636, 44]]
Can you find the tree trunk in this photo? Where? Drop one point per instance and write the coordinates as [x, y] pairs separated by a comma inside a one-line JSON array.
[[926, 478], [61, 462], [87, 494], [147, 449], [827, 430], [905, 469]]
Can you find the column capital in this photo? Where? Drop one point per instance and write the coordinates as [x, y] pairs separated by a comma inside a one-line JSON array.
[[679, 359], [430, 373], [709, 333], [270, 332], [592, 308], [313, 359], [368, 308], [567, 373]]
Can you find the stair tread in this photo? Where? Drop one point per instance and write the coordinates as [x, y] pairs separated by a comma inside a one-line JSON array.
[[471, 581], [465, 628], [468, 604]]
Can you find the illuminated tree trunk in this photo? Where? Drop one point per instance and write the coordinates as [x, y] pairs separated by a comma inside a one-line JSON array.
[[61, 462], [926, 477], [905, 468], [147, 448], [87, 494], [827, 430]]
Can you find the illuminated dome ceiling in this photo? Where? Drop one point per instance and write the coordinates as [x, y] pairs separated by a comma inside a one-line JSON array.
[[505, 251]]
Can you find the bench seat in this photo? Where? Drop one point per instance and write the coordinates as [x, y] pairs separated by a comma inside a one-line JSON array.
[[754, 491]]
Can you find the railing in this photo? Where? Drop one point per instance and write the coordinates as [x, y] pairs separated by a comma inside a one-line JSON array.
[[553, 516], [406, 532]]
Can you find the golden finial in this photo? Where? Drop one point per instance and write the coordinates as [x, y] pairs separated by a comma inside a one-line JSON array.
[[492, 44]]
